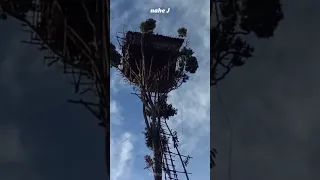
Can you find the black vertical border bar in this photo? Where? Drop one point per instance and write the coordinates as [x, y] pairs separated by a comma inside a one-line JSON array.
[[212, 153], [211, 59], [105, 53]]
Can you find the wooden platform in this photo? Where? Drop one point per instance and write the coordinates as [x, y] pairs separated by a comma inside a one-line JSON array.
[[160, 54]]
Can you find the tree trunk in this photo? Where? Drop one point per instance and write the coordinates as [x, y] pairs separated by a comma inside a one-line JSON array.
[[156, 151]]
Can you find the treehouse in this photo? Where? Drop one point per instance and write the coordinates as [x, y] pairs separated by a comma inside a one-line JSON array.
[[160, 57]]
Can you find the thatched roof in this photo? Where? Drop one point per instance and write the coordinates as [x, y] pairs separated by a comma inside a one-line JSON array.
[[156, 39], [157, 36]]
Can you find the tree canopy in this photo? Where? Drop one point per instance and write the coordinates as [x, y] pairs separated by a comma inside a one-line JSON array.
[[148, 26], [234, 20], [185, 64], [182, 32]]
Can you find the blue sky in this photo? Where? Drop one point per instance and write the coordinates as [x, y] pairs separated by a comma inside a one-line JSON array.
[[41, 135], [44, 137], [192, 99]]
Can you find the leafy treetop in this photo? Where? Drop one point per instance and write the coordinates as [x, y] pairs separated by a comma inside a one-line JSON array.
[[182, 32], [148, 26]]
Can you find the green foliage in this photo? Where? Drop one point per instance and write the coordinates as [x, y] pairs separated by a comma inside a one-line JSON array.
[[182, 32], [149, 162], [188, 61], [192, 64], [165, 110], [148, 26], [148, 139]]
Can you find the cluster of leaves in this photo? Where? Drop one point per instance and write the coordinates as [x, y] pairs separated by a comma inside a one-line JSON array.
[[182, 32], [187, 63], [236, 19], [148, 138], [149, 161], [165, 110], [148, 26]]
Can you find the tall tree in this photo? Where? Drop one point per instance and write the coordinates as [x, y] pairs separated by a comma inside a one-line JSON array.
[[156, 67], [186, 64]]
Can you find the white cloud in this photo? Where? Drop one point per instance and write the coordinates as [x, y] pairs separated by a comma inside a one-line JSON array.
[[121, 156], [116, 82], [115, 112], [193, 99]]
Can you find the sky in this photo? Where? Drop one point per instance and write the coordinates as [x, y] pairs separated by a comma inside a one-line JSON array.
[[192, 100], [42, 137], [272, 104]]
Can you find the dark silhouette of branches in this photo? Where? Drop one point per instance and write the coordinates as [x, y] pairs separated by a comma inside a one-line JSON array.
[[233, 20], [74, 35]]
